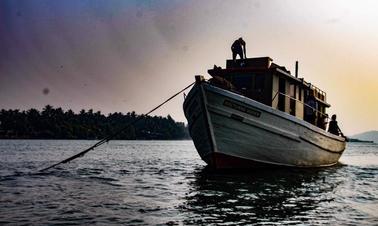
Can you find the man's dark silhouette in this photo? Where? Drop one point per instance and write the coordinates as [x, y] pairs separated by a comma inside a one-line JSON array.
[[333, 127], [238, 48]]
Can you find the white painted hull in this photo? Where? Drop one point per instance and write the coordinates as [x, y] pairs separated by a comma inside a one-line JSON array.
[[232, 131]]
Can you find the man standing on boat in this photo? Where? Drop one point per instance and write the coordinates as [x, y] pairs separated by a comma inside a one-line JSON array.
[[238, 48]]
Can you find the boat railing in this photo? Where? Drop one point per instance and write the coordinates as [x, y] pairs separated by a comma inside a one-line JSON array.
[[319, 93], [301, 102]]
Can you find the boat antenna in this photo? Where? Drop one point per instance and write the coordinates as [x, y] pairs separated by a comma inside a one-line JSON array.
[[296, 69], [111, 136]]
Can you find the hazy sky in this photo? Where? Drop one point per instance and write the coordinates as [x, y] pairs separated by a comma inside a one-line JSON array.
[[130, 55]]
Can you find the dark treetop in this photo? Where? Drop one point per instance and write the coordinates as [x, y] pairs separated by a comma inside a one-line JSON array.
[[54, 123]]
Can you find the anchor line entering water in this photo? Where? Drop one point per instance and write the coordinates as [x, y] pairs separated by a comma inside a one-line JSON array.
[[111, 136]]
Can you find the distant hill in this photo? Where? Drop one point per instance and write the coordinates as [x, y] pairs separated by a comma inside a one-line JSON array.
[[370, 135]]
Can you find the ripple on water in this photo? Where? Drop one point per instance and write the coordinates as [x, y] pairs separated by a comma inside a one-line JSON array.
[[166, 183]]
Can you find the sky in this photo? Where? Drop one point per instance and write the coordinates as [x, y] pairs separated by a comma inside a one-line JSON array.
[[121, 56]]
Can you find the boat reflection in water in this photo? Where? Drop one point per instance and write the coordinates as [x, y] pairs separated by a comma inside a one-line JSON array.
[[285, 195]]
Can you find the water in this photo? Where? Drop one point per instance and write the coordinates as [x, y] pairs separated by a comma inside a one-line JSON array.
[[166, 183]]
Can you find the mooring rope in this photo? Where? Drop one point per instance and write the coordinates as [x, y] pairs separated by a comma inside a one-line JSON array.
[[111, 136]]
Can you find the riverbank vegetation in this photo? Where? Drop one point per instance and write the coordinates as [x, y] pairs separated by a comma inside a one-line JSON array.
[[55, 123]]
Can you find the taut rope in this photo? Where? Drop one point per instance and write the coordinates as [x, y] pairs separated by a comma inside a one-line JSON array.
[[111, 136]]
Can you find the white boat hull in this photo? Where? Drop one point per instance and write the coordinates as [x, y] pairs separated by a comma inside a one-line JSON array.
[[232, 131]]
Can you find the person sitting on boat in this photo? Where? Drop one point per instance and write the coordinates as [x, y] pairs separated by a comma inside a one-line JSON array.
[[311, 108], [238, 48], [333, 127]]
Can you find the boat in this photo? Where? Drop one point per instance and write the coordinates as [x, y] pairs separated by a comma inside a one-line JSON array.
[[252, 114]]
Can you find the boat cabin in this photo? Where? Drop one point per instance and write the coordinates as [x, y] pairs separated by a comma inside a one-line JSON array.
[[266, 82]]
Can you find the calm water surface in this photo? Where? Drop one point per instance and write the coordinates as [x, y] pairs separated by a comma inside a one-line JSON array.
[[165, 182]]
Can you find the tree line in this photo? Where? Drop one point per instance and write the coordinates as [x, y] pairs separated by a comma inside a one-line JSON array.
[[55, 123]]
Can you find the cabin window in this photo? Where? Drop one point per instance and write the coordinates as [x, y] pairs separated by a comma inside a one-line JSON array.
[[300, 93], [306, 94], [243, 82], [259, 82]]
